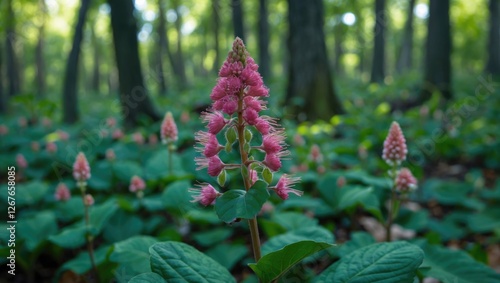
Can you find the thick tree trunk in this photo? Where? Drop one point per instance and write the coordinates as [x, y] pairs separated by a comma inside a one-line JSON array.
[[96, 70], [70, 101], [162, 42], [13, 79], [216, 27], [378, 62], [237, 9], [438, 51], [493, 63], [179, 56], [39, 50], [406, 52], [263, 33], [309, 77], [133, 95]]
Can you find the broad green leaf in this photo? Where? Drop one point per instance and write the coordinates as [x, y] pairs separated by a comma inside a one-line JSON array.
[[241, 204], [179, 262], [81, 264], [294, 220], [350, 197], [70, 209], [484, 221], [316, 205], [176, 197], [148, 277], [273, 265], [227, 254], [101, 178], [318, 234], [394, 262], [125, 170], [133, 253], [357, 241], [157, 166], [37, 229], [456, 266], [70, 237], [122, 225], [212, 237], [100, 214]]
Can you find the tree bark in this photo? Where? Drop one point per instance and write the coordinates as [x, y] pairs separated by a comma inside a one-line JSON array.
[[3, 100], [39, 50], [438, 51], [216, 27], [179, 56], [493, 63], [96, 70], [406, 52], [309, 78], [237, 9], [134, 99], [338, 32], [378, 62], [162, 42], [70, 99], [13, 79], [263, 33]]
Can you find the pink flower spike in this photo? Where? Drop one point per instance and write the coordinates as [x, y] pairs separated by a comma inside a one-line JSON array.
[[210, 144], [88, 200], [273, 143], [51, 147], [315, 154], [205, 194], [117, 134], [214, 165], [21, 161], [254, 103], [81, 168], [62, 192], [273, 160], [216, 121], [168, 129], [284, 186], [138, 138], [251, 77], [394, 146], [257, 91], [137, 184], [405, 181]]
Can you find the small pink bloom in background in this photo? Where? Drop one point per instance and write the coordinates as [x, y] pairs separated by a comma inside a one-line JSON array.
[[46, 122], [110, 154], [62, 192], [341, 182], [209, 144], [394, 146], [153, 139], [284, 186], [21, 161], [214, 165], [168, 129], [111, 122], [362, 152], [405, 181], [51, 147], [3, 130], [22, 122], [266, 208], [35, 146], [137, 184], [215, 121], [205, 194], [81, 168], [424, 111], [321, 169], [138, 138], [117, 134], [298, 140], [64, 136], [88, 200], [185, 117], [315, 154]]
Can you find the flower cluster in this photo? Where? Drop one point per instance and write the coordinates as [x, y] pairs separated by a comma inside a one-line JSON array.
[[168, 129], [405, 181], [137, 184], [81, 168], [62, 193], [395, 146], [237, 103]]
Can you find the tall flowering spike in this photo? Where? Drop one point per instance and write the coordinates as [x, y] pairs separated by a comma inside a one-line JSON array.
[[405, 181], [205, 194], [284, 186], [394, 146], [81, 168], [62, 193], [137, 184], [168, 129]]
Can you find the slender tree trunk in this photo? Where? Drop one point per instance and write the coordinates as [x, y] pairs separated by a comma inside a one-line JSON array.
[[133, 95], [263, 33], [3, 99], [162, 42], [438, 50], [493, 63], [179, 57], [338, 32], [378, 65], [96, 70], [406, 52], [309, 78], [216, 27], [40, 46], [13, 79], [70, 99], [237, 9]]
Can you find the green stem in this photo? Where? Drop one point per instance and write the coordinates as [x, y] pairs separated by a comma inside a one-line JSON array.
[[89, 238], [170, 151], [392, 206]]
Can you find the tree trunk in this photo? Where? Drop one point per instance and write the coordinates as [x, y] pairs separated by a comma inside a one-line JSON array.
[[338, 32], [216, 23], [13, 79], [179, 57], [96, 70], [237, 9], [493, 63], [3, 99], [438, 50], [378, 63], [133, 95], [406, 52], [309, 78], [70, 101], [39, 50], [263, 33], [162, 41]]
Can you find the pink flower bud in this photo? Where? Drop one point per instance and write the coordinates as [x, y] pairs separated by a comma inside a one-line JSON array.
[[111, 122], [137, 184], [138, 138], [214, 165], [51, 147], [35, 146], [209, 144], [185, 117], [253, 103], [254, 177], [273, 143], [284, 186], [168, 129], [405, 181], [153, 139], [22, 122], [258, 91], [117, 134], [110, 154], [4, 130], [250, 116], [88, 200], [341, 181], [81, 168], [298, 140], [62, 192], [216, 121], [394, 146], [64, 136], [205, 194], [273, 160], [315, 154], [21, 161]]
